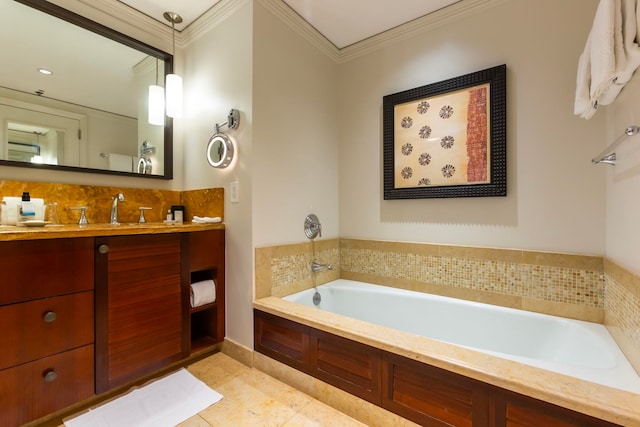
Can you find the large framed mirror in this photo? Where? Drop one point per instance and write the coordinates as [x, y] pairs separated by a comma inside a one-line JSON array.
[[90, 113]]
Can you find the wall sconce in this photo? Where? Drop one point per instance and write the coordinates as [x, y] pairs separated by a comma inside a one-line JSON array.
[[220, 149], [173, 83]]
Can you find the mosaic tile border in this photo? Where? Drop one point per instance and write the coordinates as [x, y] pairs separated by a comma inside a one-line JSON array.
[[285, 269], [622, 310], [560, 284]]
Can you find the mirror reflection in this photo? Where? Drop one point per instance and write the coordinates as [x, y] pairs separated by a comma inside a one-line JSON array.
[[34, 144], [89, 111]]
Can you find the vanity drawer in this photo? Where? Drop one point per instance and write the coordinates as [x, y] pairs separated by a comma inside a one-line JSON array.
[[33, 269], [46, 385], [36, 329]]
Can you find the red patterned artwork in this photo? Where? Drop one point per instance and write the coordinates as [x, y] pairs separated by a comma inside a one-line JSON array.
[[443, 140]]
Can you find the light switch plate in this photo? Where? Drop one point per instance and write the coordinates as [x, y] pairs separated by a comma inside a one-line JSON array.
[[234, 197]]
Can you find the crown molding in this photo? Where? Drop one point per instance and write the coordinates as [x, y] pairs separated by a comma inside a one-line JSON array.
[[457, 11], [127, 20], [210, 19], [446, 15], [281, 10]]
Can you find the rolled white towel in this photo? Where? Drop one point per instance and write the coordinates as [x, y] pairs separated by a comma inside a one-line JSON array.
[[206, 219], [203, 292]]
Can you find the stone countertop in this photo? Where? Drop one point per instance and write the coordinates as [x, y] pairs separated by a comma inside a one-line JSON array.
[[617, 406], [11, 233]]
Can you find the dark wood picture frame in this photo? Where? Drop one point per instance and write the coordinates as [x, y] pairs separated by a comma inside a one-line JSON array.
[[447, 139]]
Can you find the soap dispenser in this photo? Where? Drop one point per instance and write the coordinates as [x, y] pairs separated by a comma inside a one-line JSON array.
[[26, 209]]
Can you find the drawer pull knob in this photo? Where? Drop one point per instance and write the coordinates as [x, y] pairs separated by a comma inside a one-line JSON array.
[[49, 375], [50, 316], [103, 249]]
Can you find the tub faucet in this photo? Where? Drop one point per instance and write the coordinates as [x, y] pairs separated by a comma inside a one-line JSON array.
[[114, 208], [317, 267]]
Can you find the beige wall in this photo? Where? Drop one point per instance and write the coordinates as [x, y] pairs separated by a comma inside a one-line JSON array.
[[287, 150], [218, 77], [295, 171], [623, 180], [295, 153], [622, 270], [555, 196]]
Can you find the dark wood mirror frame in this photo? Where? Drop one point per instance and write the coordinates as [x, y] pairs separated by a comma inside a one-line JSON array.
[[109, 33]]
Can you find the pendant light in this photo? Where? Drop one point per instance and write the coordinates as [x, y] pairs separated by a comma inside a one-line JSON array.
[[173, 84], [156, 102]]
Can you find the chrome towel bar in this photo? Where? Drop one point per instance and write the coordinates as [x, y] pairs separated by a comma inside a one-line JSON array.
[[608, 156]]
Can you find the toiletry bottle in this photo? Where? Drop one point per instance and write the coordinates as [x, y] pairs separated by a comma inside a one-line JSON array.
[[169, 215], [26, 209]]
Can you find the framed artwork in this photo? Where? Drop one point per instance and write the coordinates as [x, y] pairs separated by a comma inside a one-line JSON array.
[[447, 139]]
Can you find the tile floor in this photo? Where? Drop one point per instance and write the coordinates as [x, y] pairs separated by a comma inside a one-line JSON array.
[[252, 398]]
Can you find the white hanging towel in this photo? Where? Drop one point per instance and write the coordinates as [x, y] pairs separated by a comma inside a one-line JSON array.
[[610, 56], [120, 162]]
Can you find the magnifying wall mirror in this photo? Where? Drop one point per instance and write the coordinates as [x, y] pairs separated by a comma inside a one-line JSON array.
[[91, 113], [220, 151]]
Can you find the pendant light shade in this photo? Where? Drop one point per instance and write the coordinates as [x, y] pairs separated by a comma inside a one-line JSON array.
[[156, 105], [173, 83], [174, 96]]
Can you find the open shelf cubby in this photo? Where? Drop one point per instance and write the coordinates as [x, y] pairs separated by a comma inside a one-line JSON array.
[[206, 262], [204, 317]]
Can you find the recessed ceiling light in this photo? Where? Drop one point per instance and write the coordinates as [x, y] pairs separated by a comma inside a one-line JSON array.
[[45, 71]]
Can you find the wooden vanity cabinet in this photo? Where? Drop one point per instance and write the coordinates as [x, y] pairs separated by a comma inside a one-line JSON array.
[[46, 313], [83, 315], [144, 319]]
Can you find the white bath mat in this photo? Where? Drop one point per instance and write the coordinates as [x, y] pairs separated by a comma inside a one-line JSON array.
[[165, 402]]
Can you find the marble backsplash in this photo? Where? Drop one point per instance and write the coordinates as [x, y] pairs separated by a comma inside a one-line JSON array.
[[97, 199]]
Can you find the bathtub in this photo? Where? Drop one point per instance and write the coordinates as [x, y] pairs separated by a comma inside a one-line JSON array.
[[576, 348]]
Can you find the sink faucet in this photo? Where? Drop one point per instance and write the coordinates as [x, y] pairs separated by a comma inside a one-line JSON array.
[[317, 267], [114, 208]]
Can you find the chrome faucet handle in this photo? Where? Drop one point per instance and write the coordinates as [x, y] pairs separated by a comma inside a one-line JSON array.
[[142, 219], [312, 227], [83, 217]]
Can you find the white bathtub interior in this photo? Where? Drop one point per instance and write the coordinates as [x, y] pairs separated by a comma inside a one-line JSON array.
[[580, 349]]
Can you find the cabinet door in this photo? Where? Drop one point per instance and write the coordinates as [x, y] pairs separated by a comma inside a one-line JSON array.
[[34, 269], [139, 315], [281, 339], [431, 396], [38, 388], [47, 326], [514, 410], [349, 365]]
